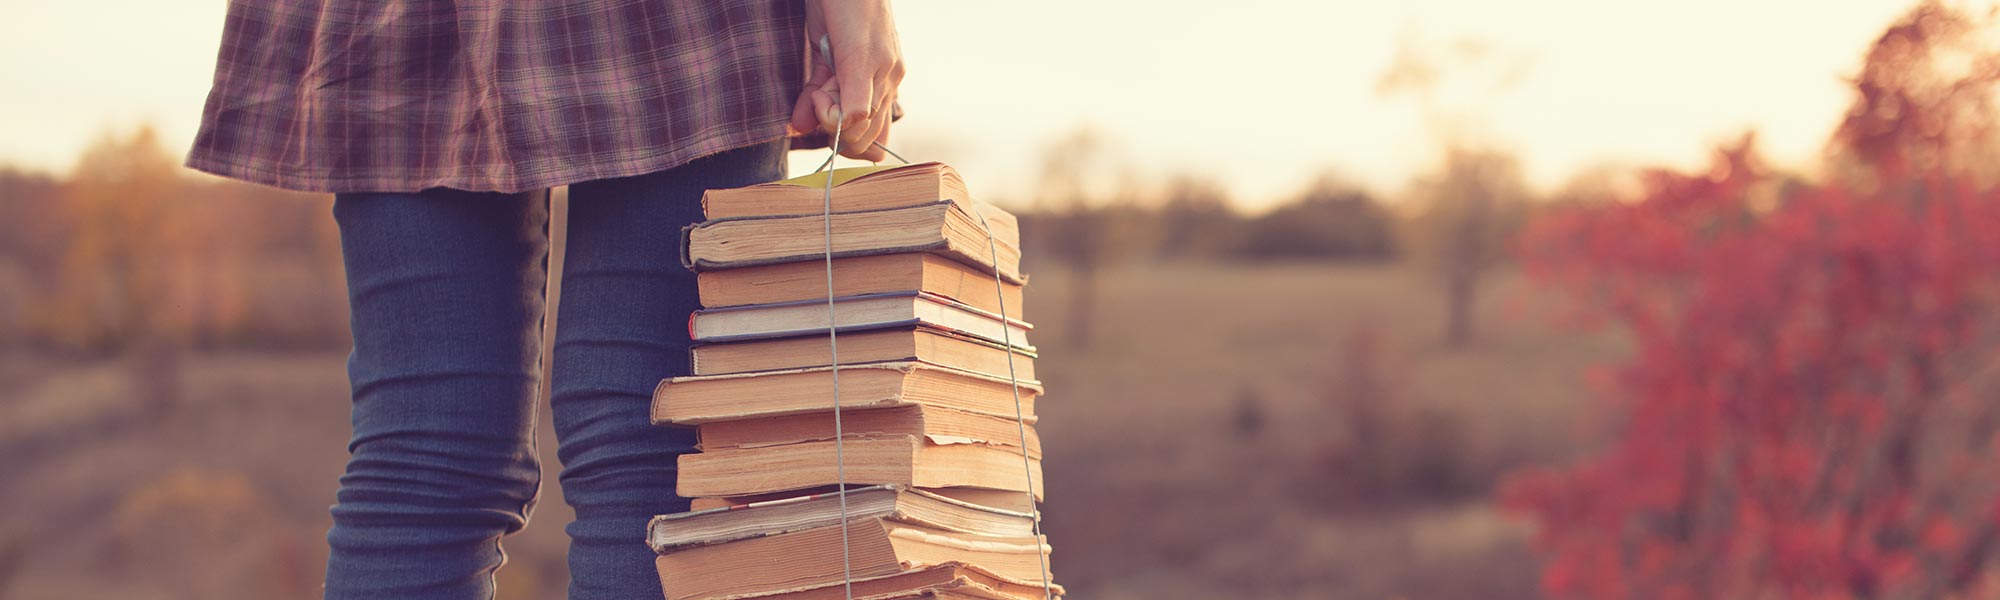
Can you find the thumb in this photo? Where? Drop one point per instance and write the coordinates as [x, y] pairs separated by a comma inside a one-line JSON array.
[[826, 104]]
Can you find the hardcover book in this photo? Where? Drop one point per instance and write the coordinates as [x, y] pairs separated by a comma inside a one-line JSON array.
[[949, 229], [920, 343], [812, 558], [855, 313]]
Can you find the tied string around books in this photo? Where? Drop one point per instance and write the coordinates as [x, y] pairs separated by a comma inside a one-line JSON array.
[[833, 345]]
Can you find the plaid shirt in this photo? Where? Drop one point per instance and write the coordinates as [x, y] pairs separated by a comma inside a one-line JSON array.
[[500, 95]]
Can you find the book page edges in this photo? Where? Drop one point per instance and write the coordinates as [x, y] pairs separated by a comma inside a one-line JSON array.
[[660, 412], [905, 366], [1059, 591], [932, 439], [934, 298], [897, 514], [941, 247], [845, 175]]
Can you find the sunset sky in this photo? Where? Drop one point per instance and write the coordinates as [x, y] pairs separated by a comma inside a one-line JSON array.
[[1263, 95]]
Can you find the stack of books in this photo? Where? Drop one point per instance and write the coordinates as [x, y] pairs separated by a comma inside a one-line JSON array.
[[936, 392]]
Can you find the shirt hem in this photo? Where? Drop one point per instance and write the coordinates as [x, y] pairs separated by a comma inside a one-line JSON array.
[[254, 172]]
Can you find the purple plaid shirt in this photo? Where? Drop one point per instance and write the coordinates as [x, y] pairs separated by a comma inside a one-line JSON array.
[[499, 95]]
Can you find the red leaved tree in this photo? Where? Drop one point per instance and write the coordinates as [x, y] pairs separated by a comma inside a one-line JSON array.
[[1813, 410]]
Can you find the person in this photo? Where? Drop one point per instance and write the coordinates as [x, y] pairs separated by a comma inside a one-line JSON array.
[[439, 125]]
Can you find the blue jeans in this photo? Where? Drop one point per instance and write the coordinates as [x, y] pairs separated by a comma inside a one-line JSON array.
[[446, 288]]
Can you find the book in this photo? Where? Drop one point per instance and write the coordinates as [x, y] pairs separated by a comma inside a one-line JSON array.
[[948, 229], [854, 188], [936, 425], [906, 467], [910, 344], [863, 460], [999, 499], [947, 581], [698, 399], [668, 532], [854, 313], [795, 281], [812, 558]]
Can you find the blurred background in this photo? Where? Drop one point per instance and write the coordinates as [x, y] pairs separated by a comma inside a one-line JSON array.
[[1433, 299]]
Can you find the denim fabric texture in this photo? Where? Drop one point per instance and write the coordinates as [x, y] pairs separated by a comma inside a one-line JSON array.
[[446, 290]]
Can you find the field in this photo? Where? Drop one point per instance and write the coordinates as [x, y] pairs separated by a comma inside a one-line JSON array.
[[1279, 431]]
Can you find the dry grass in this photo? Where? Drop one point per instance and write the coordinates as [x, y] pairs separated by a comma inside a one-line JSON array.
[[1188, 451], [1157, 491]]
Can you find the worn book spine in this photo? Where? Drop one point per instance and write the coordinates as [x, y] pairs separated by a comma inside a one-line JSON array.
[[941, 247]]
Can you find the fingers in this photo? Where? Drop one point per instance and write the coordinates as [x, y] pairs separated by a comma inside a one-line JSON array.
[[804, 120], [864, 147], [820, 108], [826, 108], [856, 79], [860, 139], [812, 102], [884, 114], [877, 128], [875, 151], [858, 95], [855, 143], [858, 127]]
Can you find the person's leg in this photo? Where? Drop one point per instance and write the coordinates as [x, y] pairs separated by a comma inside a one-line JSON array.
[[446, 290], [620, 328]]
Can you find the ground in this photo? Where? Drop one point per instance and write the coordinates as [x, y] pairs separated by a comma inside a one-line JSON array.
[[1201, 444]]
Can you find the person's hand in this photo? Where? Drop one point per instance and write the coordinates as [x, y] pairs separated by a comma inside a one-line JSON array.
[[860, 90]]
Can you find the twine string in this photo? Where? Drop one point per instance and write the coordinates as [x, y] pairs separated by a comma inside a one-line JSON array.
[[833, 345], [833, 348], [1020, 418]]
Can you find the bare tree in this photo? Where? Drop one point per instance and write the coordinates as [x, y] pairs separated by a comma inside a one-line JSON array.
[[1468, 213], [1088, 205], [1473, 204]]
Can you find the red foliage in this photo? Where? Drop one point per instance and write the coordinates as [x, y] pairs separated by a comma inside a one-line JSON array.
[[1811, 411], [1923, 100]]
